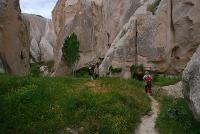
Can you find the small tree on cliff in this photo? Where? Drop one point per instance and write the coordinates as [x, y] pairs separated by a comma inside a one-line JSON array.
[[70, 51]]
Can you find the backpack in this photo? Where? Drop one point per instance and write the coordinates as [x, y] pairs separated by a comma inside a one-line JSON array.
[[148, 78]]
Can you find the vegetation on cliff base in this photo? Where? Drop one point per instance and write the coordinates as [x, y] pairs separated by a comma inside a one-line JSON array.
[[164, 80], [137, 71], [55, 105], [176, 117], [115, 70], [35, 67], [70, 50]]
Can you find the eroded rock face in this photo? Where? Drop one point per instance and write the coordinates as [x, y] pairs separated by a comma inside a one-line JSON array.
[[164, 43], [124, 33], [186, 22], [95, 23], [143, 40], [42, 37], [187, 29], [14, 39], [122, 51], [191, 84]]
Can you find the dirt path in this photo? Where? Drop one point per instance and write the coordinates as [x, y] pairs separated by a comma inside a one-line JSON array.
[[147, 125]]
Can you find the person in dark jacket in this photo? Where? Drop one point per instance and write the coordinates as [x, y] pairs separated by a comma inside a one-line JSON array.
[[91, 72], [96, 71]]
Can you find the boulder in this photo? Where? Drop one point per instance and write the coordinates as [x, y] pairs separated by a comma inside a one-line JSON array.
[[191, 84], [173, 90]]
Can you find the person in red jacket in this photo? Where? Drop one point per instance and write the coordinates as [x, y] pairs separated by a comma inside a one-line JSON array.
[[148, 80]]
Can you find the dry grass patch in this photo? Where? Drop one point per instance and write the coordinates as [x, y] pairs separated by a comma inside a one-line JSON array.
[[96, 86]]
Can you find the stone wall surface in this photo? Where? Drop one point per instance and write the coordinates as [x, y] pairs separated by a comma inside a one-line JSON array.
[[96, 23], [14, 39]]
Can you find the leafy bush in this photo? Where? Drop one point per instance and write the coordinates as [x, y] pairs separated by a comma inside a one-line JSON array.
[[115, 70], [70, 50], [35, 67], [49, 64], [137, 72], [153, 7], [51, 105], [175, 117]]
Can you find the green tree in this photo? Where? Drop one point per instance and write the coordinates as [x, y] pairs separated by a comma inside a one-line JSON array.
[[70, 51]]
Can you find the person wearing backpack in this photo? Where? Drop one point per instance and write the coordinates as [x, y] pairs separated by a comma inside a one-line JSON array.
[[148, 80], [91, 71], [96, 71]]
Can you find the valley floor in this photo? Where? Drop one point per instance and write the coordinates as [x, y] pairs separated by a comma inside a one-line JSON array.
[[65, 104], [77, 105]]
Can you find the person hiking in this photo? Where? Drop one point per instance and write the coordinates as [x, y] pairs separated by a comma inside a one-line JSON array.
[[91, 71], [96, 71], [148, 80]]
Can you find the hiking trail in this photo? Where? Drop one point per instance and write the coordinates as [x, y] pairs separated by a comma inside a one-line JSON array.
[[147, 125]]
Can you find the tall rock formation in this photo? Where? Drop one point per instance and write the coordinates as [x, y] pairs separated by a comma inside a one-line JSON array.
[[188, 29], [163, 42], [123, 33], [191, 84], [42, 37], [96, 23], [14, 39]]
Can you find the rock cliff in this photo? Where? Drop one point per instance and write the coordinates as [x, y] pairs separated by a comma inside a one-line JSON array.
[[42, 37], [96, 23], [14, 39], [124, 33], [164, 43]]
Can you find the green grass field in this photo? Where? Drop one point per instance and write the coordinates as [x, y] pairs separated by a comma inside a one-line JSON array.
[[38, 105], [162, 80]]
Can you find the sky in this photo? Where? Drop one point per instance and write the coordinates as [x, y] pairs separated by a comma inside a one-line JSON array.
[[39, 7]]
